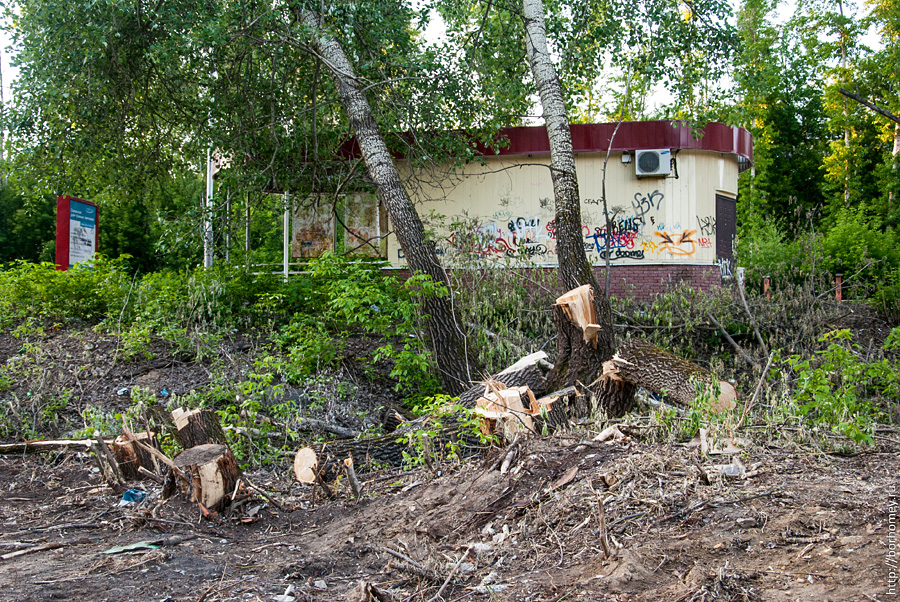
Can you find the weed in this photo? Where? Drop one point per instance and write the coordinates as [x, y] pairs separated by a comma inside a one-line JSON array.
[[836, 386]]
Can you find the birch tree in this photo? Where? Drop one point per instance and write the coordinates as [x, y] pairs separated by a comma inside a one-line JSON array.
[[576, 361], [447, 338]]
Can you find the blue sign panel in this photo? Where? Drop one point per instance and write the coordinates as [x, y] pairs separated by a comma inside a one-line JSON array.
[[82, 232]]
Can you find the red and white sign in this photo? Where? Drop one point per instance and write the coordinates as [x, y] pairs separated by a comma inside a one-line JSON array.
[[76, 231]]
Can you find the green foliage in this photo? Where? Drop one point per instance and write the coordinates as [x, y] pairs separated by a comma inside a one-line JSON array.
[[838, 388], [426, 447], [412, 369], [307, 347], [88, 292]]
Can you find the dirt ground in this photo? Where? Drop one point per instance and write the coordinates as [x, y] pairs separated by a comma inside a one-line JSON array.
[[798, 526]]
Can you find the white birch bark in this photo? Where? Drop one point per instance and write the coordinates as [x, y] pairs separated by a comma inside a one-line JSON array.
[[446, 338], [574, 267], [576, 362]]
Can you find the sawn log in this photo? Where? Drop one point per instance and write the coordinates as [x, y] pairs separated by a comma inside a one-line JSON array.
[[646, 365]]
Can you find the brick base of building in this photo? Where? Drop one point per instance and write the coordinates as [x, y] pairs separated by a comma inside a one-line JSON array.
[[644, 282], [640, 282]]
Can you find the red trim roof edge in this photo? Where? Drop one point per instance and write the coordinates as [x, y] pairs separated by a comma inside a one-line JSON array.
[[631, 135]]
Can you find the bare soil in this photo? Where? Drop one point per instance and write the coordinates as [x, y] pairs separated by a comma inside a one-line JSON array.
[[801, 526]]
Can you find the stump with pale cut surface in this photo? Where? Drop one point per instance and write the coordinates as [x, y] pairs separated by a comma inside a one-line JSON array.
[[197, 427], [131, 457], [213, 472]]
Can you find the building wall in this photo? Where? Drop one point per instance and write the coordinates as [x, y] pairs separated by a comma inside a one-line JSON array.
[[504, 209]]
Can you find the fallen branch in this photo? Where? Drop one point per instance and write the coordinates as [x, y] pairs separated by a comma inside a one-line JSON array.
[[870, 105], [752, 402], [261, 492], [645, 365], [740, 287], [43, 446], [43, 547], [732, 342]]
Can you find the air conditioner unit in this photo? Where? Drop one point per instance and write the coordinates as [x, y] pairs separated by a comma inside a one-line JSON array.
[[652, 162]]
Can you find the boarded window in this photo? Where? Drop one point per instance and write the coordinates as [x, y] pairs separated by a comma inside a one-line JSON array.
[[313, 227], [365, 220]]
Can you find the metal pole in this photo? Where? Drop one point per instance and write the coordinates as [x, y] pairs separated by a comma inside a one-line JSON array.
[[227, 227], [208, 225], [287, 234]]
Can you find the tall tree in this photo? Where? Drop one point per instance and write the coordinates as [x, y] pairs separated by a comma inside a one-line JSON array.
[[577, 360], [446, 336]]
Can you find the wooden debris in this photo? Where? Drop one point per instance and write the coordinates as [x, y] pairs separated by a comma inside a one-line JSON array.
[[197, 427], [646, 365], [213, 474], [369, 592], [36, 446], [610, 432], [578, 305], [530, 371], [503, 412], [565, 479], [131, 457], [305, 464], [351, 477], [306, 470], [43, 547], [109, 468]]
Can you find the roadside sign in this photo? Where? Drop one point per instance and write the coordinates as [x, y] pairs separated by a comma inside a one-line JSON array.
[[76, 231]]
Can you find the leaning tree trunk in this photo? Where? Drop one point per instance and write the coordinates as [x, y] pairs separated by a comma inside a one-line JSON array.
[[578, 361], [447, 339]]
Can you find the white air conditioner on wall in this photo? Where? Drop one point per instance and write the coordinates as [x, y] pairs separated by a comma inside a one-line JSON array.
[[655, 162]]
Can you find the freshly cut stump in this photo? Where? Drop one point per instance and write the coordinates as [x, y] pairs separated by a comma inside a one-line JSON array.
[[197, 427], [213, 472], [130, 456], [583, 344]]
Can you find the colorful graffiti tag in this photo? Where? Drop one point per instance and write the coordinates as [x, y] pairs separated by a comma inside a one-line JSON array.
[[682, 244]]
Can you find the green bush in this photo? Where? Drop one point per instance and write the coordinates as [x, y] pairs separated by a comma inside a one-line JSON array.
[[837, 388], [88, 292]]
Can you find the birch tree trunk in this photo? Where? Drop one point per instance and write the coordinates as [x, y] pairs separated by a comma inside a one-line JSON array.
[[447, 340], [574, 268]]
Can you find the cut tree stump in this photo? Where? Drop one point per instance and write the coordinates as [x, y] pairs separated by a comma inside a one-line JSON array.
[[583, 346], [646, 365], [197, 427], [213, 472], [132, 457]]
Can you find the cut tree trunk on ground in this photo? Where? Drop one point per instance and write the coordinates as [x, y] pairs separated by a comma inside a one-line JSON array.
[[45, 446], [646, 365], [530, 371], [197, 427], [213, 472], [581, 352], [131, 456]]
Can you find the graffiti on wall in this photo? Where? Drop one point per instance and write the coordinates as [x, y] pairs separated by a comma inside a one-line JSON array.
[[644, 231], [643, 204], [522, 237], [707, 225], [681, 244]]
